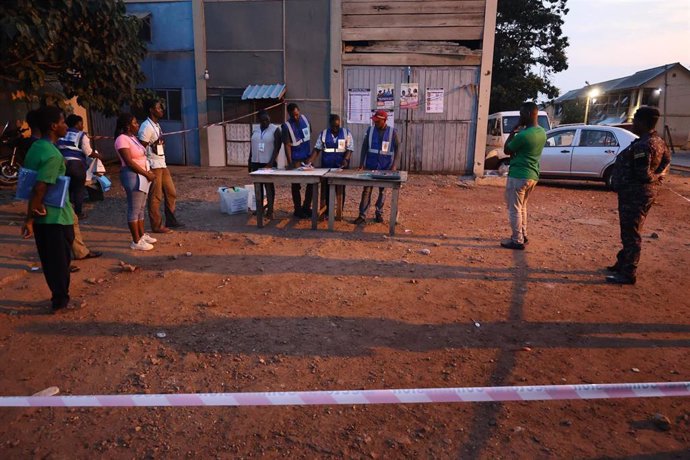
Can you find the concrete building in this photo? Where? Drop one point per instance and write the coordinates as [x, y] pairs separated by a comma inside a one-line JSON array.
[[228, 58], [615, 101]]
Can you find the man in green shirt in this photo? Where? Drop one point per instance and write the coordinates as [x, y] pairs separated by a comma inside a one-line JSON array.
[[524, 146], [52, 227]]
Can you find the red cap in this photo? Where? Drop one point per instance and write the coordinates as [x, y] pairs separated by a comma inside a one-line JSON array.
[[380, 115]]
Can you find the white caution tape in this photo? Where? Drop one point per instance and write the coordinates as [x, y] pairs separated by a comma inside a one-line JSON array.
[[399, 396]]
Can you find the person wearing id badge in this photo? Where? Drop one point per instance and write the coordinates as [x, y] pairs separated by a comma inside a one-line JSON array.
[[163, 188], [263, 153], [335, 146], [297, 140], [379, 150], [136, 177]]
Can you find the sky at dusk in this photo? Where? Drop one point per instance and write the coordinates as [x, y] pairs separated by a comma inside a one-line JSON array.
[[615, 38]]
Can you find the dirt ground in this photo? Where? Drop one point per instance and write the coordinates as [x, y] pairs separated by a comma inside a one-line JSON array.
[[288, 308]]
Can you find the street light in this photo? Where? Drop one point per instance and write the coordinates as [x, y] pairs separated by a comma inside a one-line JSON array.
[[594, 92]]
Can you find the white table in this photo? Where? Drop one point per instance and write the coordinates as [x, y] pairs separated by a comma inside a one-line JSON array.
[[287, 176], [363, 179]]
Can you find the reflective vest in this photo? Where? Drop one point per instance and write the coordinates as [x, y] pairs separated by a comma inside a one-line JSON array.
[[70, 145], [299, 138], [379, 157], [334, 148]]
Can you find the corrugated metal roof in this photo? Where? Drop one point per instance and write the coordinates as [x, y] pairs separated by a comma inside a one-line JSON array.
[[276, 91], [631, 81]]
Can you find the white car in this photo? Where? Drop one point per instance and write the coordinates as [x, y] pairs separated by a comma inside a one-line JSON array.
[[583, 152]]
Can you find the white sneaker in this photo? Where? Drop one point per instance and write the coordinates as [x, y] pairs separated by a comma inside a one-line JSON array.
[[141, 246], [148, 238]]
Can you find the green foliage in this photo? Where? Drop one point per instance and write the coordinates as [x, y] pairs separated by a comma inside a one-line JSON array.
[[529, 38], [84, 48], [573, 112]]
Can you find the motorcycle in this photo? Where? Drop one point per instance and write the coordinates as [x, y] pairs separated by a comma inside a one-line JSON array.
[[14, 141]]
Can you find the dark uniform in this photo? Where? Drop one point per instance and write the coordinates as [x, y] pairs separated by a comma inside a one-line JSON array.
[[637, 175]]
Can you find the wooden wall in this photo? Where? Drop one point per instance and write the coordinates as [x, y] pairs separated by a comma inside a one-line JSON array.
[[442, 20]]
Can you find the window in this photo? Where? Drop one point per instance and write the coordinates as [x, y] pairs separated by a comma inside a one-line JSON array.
[[592, 138], [144, 19], [561, 138], [172, 103]]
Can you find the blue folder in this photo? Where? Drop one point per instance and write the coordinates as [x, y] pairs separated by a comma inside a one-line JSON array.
[[56, 196]]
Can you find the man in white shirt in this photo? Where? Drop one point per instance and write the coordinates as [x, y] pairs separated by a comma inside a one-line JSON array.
[[162, 188]]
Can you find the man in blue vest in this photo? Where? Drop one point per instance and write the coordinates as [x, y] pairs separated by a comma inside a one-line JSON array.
[[297, 137], [75, 146], [335, 145], [379, 152]]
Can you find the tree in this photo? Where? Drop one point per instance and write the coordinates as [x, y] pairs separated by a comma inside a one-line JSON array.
[[573, 112], [65, 48], [529, 39]]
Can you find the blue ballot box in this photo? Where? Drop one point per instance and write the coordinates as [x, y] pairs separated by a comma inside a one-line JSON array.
[[56, 196]]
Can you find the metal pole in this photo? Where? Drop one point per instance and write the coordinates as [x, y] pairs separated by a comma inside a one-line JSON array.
[[587, 109]]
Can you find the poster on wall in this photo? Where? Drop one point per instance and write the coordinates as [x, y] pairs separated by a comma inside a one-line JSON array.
[[358, 106], [409, 95], [385, 97], [389, 122], [434, 100]]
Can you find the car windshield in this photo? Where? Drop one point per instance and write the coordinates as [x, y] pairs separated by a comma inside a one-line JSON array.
[[511, 122]]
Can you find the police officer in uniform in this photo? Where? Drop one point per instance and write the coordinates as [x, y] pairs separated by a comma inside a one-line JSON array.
[[335, 145], [297, 137], [263, 153], [637, 174], [379, 150]]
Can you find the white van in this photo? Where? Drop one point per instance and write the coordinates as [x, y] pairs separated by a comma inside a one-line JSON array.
[[499, 127]]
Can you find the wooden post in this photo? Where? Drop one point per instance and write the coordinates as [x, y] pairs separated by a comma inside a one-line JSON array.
[[485, 86], [200, 66], [336, 53]]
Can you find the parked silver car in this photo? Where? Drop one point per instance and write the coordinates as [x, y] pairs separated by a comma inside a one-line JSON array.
[[583, 152]]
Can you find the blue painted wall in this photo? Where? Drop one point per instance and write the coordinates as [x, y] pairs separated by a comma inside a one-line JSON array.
[[169, 64]]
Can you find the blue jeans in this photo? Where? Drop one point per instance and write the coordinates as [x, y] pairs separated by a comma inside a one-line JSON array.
[[136, 199], [366, 202]]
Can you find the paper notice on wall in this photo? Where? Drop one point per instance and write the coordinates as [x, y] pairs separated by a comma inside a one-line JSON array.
[[390, 121], [409, 95], [358, 106], [385, 97], [434, 100]]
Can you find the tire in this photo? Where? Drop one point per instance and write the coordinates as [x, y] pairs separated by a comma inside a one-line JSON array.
[[9, 172], [608, 177]]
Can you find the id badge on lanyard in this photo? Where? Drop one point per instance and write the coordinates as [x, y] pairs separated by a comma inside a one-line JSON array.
[[262, 146], [305, 133], [341, 144], [385, 145], [159, 150]]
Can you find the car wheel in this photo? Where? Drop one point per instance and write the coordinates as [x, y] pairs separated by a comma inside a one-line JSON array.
[[608, 177]]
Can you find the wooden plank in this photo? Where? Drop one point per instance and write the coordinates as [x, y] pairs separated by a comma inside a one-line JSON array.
[[413, 47], [397, 59], [379, 7], [414, 20], [421, 33]]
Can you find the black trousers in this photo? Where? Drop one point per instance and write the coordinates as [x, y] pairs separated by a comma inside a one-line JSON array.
[[633, 207], [270, 189], [297, 193], [54, 244], [76, 171]]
